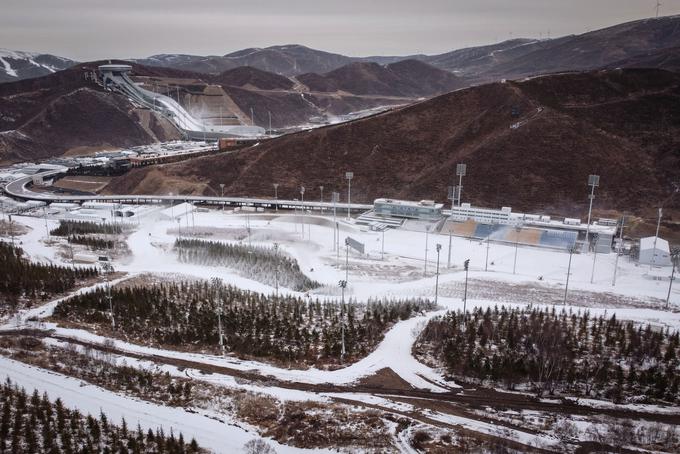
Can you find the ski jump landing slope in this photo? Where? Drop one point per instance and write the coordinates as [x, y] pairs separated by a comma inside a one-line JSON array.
[[116, 77]]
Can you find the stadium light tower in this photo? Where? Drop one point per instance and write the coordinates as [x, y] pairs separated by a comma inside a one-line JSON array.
[[461, 171], [349, 176], [593, 182]]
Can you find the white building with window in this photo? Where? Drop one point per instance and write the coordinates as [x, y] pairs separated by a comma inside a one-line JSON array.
[[655, 253]]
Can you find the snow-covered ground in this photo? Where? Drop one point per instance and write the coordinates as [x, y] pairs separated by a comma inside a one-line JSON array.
[[402, 273]]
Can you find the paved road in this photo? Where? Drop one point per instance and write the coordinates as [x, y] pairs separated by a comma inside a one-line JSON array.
[[18, 189]]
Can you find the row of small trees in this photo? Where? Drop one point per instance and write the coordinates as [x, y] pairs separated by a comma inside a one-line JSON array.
[[32, 424], [287, 328], [265, 264], [21, 278], [565, 352], [91, 242], [67, 228]]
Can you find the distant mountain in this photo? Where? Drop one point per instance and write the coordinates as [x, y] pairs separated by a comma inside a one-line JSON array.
[[18, 65], [591, 50], [510, 59], [286, 60], [407, 78]]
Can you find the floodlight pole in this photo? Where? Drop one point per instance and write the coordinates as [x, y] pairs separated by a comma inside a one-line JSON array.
[[382, 252], [302, 196], [11, 229], [670, 284], [592, 273], [276, 269], [618, 250], [461, 171], [427, 237], [276, 197], [448, 262], [349, 176], [346, 259], [514, 265], [466, 265], [436, 284], [566, 287], [593, 181]]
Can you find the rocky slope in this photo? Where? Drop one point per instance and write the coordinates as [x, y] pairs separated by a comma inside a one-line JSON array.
[[528, 144]]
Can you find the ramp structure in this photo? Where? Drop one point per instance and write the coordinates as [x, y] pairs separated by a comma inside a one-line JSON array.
[[116, 77]]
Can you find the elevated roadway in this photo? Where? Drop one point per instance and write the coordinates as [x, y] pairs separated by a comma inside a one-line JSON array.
[[19, 189]]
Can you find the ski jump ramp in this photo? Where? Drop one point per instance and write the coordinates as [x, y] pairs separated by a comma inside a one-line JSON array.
[[115, 77]]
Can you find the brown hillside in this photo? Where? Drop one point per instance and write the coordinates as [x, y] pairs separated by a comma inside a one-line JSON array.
[[406, 78], [623, 125], [253, 77]]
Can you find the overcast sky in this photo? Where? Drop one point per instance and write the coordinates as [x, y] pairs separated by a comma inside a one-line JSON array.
[[95, 29]]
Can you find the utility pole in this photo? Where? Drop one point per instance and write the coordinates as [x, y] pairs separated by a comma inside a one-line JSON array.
[[656, 237], [222, 188], [593, 181], [343, 285], [276, 196], [486, 264], [675, 258], [436, 285], [349, 176], [47, 230], [566, 287], [108, 268], [335, 196], [618, 250], [217, 284]]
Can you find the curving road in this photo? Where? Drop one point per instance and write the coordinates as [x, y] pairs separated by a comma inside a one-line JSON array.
[[18, 189]]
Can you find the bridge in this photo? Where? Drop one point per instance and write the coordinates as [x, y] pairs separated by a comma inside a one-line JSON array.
[[19, 190]]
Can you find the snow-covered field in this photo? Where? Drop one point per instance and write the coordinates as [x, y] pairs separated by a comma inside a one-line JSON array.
[[402, 273]]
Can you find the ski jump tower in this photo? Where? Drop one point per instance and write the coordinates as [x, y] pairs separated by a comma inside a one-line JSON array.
[[116, 77]]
